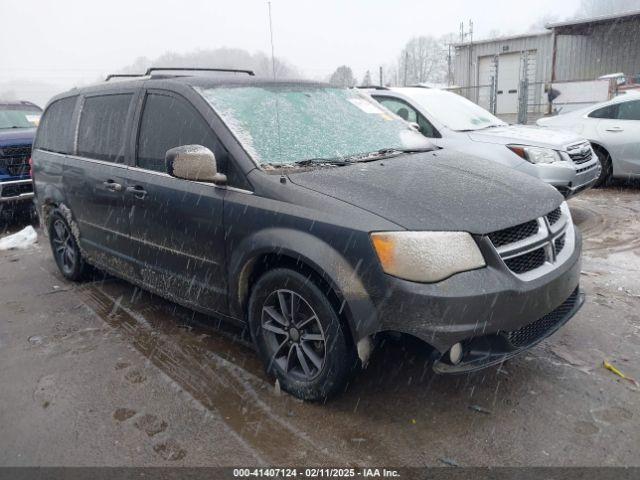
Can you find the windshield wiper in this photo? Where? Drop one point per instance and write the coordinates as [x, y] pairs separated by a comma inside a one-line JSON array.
[[308, 162], [386, 153], [355, 158], [321, 161]]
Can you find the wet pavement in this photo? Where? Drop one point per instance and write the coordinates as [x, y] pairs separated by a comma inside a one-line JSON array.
[[103, 373]]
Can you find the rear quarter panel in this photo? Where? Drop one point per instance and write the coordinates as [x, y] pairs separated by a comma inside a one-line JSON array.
[[48, 169]]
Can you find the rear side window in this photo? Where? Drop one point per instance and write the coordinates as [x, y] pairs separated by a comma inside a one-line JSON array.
[[610, 111], [101, 134], [169, 122], [55, 133]]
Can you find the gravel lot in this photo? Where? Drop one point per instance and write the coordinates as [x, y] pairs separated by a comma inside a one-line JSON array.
[[103, 373]]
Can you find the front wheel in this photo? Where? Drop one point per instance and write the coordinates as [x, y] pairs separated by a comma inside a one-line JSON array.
[[65, 249], [299, 336], [606, 172]]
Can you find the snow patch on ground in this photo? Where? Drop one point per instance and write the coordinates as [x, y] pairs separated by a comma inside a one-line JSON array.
[[20, 240]]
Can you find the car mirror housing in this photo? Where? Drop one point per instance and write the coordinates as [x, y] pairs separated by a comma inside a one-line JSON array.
[[193, 162]]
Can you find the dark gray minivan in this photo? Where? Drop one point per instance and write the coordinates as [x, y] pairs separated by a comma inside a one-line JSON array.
[[309, 213]]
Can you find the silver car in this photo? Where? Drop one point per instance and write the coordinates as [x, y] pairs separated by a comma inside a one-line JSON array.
[[613, 128], [562, 159]]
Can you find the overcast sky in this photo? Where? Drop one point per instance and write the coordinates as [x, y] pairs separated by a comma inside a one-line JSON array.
[[64, 41]]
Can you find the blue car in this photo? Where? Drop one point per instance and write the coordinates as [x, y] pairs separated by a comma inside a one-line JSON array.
[[18, 122]]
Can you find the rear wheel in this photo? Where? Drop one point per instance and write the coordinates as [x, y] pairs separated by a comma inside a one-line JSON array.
[[299, 336], [65, 249], [607, 168]]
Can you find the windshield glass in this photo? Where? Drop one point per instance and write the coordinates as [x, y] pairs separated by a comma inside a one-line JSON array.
[[283, 124], [16, 118], [454, 111]]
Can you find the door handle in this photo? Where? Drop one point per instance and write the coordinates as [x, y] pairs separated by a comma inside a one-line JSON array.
[[137, 191], [112, 186], [614, 129]]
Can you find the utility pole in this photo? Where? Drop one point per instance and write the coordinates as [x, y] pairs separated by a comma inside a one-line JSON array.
[[449, 82], [380, 75], [406, 62], [471, 53]]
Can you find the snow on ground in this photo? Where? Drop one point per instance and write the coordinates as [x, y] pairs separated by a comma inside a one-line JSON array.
[[19, 240]]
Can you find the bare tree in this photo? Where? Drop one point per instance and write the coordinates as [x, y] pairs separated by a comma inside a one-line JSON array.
[[423, 59], [366, 80], [217, 58], [541, 23], [343, 77]]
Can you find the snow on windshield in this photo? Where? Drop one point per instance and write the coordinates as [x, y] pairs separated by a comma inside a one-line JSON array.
[[454, 111], [280, 124]]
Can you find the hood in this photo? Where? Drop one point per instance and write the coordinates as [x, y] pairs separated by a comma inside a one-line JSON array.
[[526, 135], [440, 190], [17, 136]]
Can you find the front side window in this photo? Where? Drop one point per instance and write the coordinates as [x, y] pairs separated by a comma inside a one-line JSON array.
[[400, 108], [101, 134], [55, 132], [169, 122], [408, 113], [281, 124]]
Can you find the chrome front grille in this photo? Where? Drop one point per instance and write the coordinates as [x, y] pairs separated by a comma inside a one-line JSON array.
[[14, 161], [580, 153], [514, 234], [554, 216], [533, 248]]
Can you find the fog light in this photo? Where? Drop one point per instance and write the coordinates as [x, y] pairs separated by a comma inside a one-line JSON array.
[[455, 354]]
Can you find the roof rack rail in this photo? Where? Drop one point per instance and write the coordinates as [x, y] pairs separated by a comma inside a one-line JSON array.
[[123, 75], [193, 69], [373, 87]]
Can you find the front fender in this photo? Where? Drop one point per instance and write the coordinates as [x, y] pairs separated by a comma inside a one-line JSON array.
[[316, 254]]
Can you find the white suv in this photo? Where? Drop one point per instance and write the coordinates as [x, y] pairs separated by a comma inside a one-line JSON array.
[[562, 159]]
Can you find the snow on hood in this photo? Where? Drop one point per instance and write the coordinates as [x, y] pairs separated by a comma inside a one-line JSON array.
[[526, 135], [441, 190]]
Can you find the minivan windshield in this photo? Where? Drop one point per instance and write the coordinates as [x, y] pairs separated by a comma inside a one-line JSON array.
[[285, 124], [454, 111]]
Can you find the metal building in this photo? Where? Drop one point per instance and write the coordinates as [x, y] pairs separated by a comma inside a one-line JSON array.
[[508, 75]]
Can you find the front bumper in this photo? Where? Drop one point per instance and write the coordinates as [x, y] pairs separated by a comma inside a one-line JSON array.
[[585, 178], [482, 352], [15, 191], [569, 178], [476, 303]]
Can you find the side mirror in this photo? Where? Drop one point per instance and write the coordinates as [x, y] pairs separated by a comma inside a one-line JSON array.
[[415, 126], [193, 162]]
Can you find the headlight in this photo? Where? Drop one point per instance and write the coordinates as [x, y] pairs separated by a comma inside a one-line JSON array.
[[426, 256], [535, 154]]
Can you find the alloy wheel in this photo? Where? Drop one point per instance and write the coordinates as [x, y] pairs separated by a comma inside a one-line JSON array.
[[293, 334], [63, 246]]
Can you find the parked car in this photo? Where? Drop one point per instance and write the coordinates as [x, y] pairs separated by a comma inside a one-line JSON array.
[[613, 128], [562, 159], [18, 122], [308, 213]]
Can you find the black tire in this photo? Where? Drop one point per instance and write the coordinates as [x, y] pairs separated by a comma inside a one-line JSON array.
[[281, 342], [65, 249], [607, 168]]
